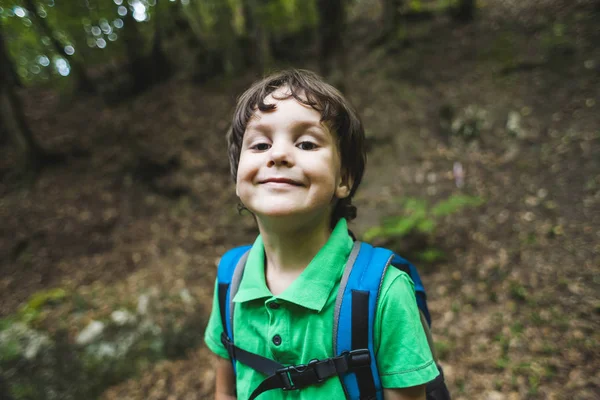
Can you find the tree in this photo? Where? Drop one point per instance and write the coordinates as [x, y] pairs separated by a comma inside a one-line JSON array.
[[226, 37], [15, 76], [134, 46], [259, 48], [161, 69], [331, 29], [465, 12], [182, 25], [31, 154], [392, 16], [84, 83]]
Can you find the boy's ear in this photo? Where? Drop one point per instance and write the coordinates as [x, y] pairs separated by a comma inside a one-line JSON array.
[[345, 186]]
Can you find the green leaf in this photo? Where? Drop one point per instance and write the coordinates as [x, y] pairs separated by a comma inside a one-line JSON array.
[[31, 311], [403, 226], [372, 233], [431, 255], [426, 226], [454, 204]]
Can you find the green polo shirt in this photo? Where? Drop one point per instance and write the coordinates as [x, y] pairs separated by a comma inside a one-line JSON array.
[[299, 327]]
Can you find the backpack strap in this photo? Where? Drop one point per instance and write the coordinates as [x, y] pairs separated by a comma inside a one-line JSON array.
[[297, 377], [355, 313], [229, 276], [282, 377]]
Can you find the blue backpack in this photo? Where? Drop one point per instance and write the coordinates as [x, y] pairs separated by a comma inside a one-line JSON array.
[[354, 316]]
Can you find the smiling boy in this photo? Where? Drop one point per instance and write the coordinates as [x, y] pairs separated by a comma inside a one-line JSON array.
[[297, 156]]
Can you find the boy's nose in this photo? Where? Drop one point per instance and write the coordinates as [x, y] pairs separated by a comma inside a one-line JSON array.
[[279, 155]]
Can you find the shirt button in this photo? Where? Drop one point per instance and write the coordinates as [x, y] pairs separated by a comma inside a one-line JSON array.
[[276, 340], [274, 305]]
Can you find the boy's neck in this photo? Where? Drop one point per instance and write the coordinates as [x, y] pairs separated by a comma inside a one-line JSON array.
[[289, 248]]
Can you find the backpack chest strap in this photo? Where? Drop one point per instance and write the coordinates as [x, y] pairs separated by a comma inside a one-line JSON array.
[[297, 377]]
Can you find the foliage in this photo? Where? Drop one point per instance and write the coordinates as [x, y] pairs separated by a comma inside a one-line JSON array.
[[83, 31], [32, 308], [417, 216], [93, 32]]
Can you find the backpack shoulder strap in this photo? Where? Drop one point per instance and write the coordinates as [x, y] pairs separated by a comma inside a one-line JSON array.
[[355, 313], [229, 276]]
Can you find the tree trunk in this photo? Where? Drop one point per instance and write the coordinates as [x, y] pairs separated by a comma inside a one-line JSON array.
[[331, 29], [84, 83], [226, 37], [465, 12], [183, 25], [392, 16], [16, 79], [134, 45], [31, 154], [258, 37], [161, 69]]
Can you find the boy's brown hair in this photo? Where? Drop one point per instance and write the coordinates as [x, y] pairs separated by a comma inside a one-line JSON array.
[[336, 112]]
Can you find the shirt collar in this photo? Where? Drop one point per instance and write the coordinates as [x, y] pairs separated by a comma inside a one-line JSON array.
[[314, 285], [253, 285]]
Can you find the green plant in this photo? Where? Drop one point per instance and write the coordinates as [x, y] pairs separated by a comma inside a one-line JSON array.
[[455, 307], [518, 291], [502, 363], [534, 384], [431, 255], [31, 310], [517, 328], [419, 217]]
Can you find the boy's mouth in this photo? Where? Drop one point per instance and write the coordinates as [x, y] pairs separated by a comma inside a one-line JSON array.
[[282, 181]]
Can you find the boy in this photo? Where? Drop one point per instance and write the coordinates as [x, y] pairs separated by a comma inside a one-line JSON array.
[[297, 156]]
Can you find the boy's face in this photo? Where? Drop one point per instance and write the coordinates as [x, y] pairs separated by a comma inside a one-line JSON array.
[[289, 163]]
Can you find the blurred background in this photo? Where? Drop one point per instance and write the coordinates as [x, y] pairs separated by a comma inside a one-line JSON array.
[[483, 127]]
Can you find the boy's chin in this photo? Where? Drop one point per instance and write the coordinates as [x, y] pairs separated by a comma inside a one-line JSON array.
[[279, 209], [280, 214], [291, 218]]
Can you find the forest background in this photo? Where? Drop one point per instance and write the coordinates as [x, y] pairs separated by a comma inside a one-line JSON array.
[[116, 202]]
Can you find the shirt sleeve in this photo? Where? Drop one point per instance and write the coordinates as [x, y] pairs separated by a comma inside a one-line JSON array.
[[212, 334], [403, 355]]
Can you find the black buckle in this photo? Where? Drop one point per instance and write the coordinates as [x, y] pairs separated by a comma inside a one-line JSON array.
[[289, 376], [358, 358]]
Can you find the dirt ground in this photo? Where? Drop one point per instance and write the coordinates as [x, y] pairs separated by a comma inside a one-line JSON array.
[[147, 201]]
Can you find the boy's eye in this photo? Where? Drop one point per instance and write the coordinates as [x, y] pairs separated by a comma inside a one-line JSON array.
[[261, 146], [307, 145]]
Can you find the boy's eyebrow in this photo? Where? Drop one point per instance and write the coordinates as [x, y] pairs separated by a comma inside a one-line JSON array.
[[309, 124], [256, 125]]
